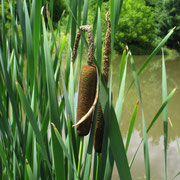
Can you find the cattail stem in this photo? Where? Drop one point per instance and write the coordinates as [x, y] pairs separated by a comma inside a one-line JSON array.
[[80, 157], [100, 117], [97, 167]]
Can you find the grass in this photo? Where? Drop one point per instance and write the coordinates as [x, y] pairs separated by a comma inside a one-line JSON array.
[[37, 107]]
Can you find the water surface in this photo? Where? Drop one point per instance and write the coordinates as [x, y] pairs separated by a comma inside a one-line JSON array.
[[151, 89]]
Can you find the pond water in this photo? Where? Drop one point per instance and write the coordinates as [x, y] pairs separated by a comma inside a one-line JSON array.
[[151, 87]]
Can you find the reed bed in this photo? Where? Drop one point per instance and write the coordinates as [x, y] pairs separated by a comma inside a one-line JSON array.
[[37, 107]]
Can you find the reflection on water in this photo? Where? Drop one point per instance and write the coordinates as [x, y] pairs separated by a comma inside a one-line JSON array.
[[150, 82], [156, 152]]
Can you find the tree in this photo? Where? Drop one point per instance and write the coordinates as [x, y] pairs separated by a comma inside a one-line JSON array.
[[168, 16], [136, 27]]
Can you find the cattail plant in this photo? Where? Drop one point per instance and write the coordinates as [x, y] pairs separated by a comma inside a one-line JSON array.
[[87, 96], [88, 91], [100, 119]]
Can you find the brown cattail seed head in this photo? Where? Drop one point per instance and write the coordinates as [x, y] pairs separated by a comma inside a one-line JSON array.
[[76, 44], [99, 131], [87, 91], [107, 51]]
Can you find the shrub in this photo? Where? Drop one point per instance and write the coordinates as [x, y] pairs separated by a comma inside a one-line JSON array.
[[168, 16], [137, 28]]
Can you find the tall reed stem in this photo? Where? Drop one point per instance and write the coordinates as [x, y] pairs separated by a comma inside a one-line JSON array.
[[97, 167], [80, 157]]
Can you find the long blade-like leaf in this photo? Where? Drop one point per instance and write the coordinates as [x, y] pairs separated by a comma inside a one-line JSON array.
[[116, 142], [146, 149], [99, 39], [36, 30], [57, 149], [33, 122], [63, 145], [165, 111], [131, 125], [120, 99]]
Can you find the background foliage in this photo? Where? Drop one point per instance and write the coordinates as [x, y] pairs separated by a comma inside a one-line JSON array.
[[136, 27], [151, 19], [167, 17]]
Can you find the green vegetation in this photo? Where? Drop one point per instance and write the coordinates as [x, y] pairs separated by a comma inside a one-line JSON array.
[[57, 7], [37, 107], [168, 15], [144, 24], [136, 28]]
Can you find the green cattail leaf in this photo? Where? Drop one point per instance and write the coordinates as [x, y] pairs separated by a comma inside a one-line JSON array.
[[72, 120], [67, 102], [99, 40], [51, 6], [110, 158], [29, 45], [176, 175], [71, 10], [54, 112], [116, 142], [67, 71], [33, 122], [145, 140], [34, 149], [85, 12], [51, 29], [178, 146], [95, 166], [112, 14], [29, 171], [84, 22], [117, 147], [131, 125], [73, 22], [60, 57], [120, 99], [3, 35], [22, 19], [36, 30], [65, 150], [123, 61], [118, 6], [89, 151], [71, 92], [79, 10], [99, 3], [165, 111]]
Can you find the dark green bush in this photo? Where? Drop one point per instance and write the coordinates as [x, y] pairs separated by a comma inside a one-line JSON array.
[[168, 16], [58, 7], [137, 28]]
